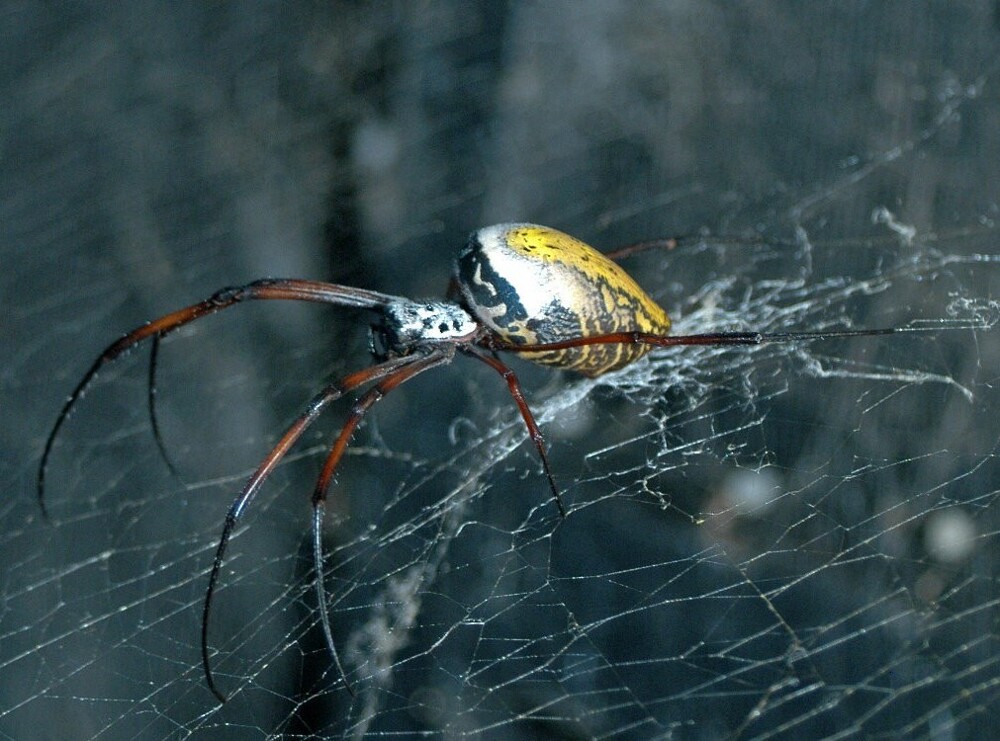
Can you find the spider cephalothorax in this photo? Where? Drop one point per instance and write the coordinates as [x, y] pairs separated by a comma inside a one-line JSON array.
[[408, 325], [519, 288]]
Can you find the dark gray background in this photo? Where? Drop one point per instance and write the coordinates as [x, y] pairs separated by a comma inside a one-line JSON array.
[[152, 153]]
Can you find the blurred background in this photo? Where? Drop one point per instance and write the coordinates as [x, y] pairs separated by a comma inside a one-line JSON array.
[[793, 542]]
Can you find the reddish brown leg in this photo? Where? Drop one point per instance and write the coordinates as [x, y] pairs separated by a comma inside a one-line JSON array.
[[494, 343], [715, 338], [358, 411], [666, 244], [269, 289], [154, 422], [672, 243], [514, 386], [318, 403]]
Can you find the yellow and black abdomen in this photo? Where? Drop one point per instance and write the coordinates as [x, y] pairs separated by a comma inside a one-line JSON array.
[[532, 285]]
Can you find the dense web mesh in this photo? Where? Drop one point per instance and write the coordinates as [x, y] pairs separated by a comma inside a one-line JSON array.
[[787, 541]]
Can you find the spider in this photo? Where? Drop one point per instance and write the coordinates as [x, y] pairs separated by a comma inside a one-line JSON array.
[[518, 288]]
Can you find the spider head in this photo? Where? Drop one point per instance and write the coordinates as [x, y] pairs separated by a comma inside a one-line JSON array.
[[409, 325]]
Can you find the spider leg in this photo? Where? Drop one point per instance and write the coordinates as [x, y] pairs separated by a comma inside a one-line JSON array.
[[667, 243], [318, 403], [495, 343], [514, 386], [713, 338], [672, 243], [289, 289], [154, 421], [358, 411]]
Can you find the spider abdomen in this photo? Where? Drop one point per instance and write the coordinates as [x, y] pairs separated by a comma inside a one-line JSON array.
[[531, 284]]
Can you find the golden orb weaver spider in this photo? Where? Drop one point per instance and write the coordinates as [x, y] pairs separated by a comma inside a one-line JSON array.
[[519, 288]]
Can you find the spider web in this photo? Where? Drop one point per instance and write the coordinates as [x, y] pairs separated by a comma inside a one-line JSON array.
[[777, 542]]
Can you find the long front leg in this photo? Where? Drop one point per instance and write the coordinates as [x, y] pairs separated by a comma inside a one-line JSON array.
[[288, 289]]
